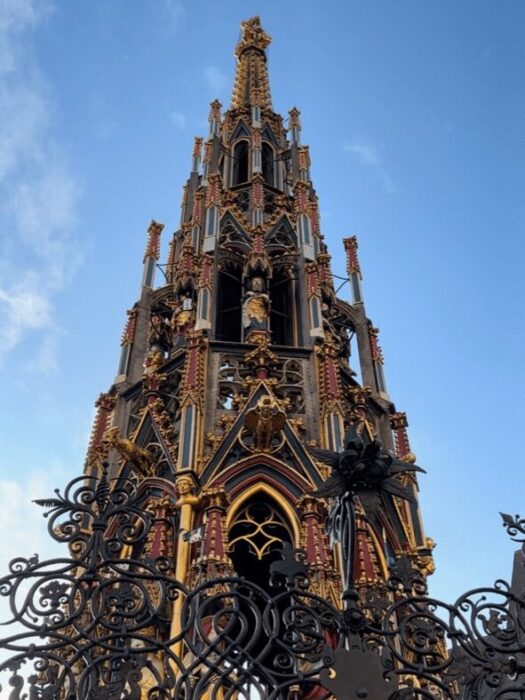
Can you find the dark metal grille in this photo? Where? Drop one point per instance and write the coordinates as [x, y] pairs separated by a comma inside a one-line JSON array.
[[98, 624]]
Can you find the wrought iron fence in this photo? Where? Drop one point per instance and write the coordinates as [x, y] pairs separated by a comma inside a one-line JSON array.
[[99, 624]]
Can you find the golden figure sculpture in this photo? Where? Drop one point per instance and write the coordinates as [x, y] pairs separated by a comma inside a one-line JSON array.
[[141, 458], [256, 306], [264, 422], [182, 314]]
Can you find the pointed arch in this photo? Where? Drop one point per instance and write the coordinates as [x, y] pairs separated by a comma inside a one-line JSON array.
[[290, 482], [281, 238], [241, 159], [232, 234], [240, 131], [228, 324], [268, 164], [268, 135], [270, 491], [258, 525]]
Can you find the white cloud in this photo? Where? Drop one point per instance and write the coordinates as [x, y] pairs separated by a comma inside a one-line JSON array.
[[368, 154], [38, 193], [215, 78], [24, 116], [179, 120], [22, 309], [365, 152], [17, 16], [24, 520], [26, 535]]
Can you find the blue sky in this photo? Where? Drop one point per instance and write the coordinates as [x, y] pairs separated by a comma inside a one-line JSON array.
[[415, 116]]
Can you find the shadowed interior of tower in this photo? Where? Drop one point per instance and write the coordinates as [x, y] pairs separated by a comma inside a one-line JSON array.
[[229, 304]]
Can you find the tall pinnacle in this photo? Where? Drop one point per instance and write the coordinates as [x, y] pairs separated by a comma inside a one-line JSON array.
[[251, 85]]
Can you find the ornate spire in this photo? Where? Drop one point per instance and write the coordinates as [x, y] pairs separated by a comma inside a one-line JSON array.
[[251, 85], [152, 253]]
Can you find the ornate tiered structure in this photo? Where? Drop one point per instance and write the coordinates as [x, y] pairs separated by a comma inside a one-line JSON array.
[[247, 527], [238, 368]]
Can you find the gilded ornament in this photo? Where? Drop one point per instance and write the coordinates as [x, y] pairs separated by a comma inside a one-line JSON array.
[[265, 422], [143, 459]]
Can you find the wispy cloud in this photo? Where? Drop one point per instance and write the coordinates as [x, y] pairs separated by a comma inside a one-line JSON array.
[[215, 78], [175, 9], [28, 534], [367, 153], [23, 519], [38, 193], [23, 308], [178, 120]]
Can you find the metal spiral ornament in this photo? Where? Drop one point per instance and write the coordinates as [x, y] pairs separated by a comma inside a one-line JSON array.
[[97, 624]]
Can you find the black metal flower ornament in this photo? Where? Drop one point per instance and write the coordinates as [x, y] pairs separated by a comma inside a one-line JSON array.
[[365, 470]]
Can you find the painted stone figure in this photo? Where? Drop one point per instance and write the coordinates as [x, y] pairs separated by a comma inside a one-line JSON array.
[[182, 316], [256, 306]]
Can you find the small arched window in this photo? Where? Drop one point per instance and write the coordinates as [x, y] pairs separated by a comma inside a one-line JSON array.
[[240, 163], [268, 164], [281, 315], [305, 229], [229, 299]]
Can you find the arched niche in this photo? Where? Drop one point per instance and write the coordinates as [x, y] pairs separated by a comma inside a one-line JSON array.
[[282, 314], [268, 164], [258, 523], [228, 321], [241, 157]]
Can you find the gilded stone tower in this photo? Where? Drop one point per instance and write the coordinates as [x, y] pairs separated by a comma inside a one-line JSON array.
[[238, 366]]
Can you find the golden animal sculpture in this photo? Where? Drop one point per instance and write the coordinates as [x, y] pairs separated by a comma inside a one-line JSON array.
[[264, 422], [141, 458]]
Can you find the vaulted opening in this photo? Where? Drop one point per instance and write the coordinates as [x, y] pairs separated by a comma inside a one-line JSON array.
[[229, 298], [268, 165], [281, 315], [240, 163], [256, 536]]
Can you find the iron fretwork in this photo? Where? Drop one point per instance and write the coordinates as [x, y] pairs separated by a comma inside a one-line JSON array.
[[98, 624]]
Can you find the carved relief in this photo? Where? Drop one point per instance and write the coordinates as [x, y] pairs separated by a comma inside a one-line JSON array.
[[290, 385], [232, 237], [280, 239], [236, 375], [264, 424]]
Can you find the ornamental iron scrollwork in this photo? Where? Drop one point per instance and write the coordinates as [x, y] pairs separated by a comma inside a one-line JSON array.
[[98, 623]]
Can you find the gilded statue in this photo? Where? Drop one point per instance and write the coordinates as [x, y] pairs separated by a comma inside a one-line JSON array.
[[256, 306], [141, 458], [182, 315], [264, 422]]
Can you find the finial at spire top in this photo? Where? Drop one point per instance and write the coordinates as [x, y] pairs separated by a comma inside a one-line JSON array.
[[251, 75], [253, 36]]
